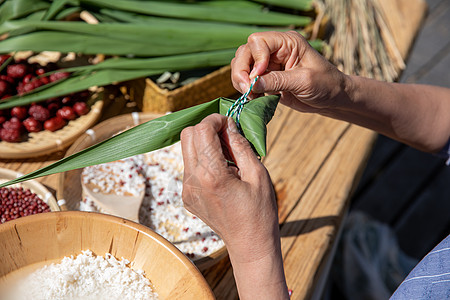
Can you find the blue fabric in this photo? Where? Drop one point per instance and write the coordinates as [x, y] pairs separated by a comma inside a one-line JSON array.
[[430, 279]]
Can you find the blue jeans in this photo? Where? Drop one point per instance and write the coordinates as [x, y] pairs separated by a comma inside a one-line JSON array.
[[430, 279]]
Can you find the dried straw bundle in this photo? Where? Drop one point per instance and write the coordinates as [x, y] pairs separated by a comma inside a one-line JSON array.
[[361, 42]]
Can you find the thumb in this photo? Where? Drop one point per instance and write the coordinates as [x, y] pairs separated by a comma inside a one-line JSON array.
[[276, 81], [241, 151]]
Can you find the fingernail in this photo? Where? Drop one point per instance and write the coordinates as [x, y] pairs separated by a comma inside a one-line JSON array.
[[243, 87], [232, 126]]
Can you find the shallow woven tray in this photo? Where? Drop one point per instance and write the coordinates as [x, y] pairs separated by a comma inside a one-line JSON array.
[[47, 142], [33, 186], [69, 184]]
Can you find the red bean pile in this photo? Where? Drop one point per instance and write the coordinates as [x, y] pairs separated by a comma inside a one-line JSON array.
[[20, 77], [19, 202]]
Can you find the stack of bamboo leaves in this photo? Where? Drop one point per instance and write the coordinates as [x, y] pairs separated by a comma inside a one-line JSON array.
[[139, 37]]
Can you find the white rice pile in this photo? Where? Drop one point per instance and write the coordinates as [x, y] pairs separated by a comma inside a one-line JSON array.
[[85, 277], [162, 208]]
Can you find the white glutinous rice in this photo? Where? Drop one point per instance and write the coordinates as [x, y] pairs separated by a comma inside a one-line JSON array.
[[160, 173], [85, 276]]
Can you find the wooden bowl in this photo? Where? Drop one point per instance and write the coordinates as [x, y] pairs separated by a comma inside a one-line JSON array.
[[69, 185], [33, 241], [33, 186], [47, 142]]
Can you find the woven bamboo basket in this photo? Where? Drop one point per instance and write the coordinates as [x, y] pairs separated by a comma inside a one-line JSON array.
[[33, 186], [46, 142], [151, 98], [34, 241], [69, 183]]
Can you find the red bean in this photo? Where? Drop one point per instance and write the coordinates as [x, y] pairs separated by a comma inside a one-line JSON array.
[[19, 202]]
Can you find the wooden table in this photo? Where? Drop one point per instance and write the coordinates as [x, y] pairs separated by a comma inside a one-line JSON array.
[[315, 163]]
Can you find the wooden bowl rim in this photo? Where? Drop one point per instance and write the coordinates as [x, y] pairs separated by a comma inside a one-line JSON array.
[[186, 262]]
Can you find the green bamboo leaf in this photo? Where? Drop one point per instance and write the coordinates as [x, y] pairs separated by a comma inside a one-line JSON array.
[[174, 23], [255, 116], [104, 18], [121, 39], [155, 28], [170, 63], [66, 12], [178, 43], [162, 132], [303, 5], [157, 21], [36, 16], [317, 44], [74, 84], [194, 11], [234, 3], [118, 70], [14, 9]]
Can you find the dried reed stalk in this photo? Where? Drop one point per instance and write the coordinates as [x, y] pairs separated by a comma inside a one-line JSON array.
[[361, 42]]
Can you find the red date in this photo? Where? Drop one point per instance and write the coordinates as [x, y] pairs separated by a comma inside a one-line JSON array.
[[4, 88], [31, 125], [81, 108], [58, 76], [10, 135], [17, 71], [19, 112], [13, 124], [39, 112], [19, 77], [54, 124], [67, 113]]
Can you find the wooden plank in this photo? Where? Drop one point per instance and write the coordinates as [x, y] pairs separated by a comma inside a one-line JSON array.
[[297, 155], [432, 4], [321, 218], [403, 18], [437, 73], [431, 40], [216, 273], [226, 289], [276, 126]]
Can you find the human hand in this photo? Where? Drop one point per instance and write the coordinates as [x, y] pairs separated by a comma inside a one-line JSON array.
[[237, 202], [286, 63]]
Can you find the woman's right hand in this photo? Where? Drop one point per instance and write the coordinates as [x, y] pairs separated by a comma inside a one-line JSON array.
[[286, 63]]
